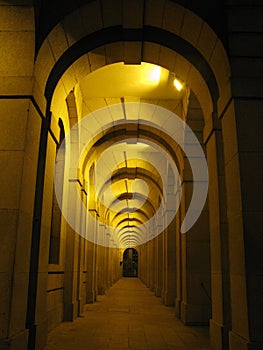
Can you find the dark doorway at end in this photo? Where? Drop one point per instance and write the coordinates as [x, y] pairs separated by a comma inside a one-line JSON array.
[[130, 263]]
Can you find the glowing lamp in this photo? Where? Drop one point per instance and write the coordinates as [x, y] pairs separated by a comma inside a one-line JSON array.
[[178, 84]]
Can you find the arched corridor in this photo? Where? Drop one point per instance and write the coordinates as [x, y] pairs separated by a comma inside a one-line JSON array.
[[131, 146], [128, 317]]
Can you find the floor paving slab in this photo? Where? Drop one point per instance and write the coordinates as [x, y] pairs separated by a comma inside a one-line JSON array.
[[128, 316]]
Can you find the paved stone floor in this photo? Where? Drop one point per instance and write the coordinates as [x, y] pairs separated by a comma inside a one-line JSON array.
[[129, 316]]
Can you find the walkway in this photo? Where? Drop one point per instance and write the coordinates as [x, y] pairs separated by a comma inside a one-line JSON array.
[[129, 316]]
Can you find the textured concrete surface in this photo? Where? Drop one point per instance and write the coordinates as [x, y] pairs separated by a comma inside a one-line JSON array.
[[129, 316]]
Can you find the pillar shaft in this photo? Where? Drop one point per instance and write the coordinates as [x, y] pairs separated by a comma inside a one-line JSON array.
[[160, 265], [196, 304], [18, 160], [220, 323], [170, 266]]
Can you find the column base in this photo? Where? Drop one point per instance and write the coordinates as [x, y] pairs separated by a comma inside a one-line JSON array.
[[101, 290], [152, 288], [55, 316], [158, 292], [90, 297], [70, 311], [163, 296], [41, 334], [108, 285], [80, 307], [195, 315], [169, 298], [37, 336], [178, 307], [18, 341], [218, 336], [236, 342]]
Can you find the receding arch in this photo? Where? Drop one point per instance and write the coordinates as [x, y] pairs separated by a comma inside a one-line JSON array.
[[130, 220], [119, 133], [119, 34], [196, 50]]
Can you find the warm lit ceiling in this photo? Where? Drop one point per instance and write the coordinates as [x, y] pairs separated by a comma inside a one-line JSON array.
[[117, 80]]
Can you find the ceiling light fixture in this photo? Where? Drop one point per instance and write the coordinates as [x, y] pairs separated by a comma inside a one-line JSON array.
[[178, 84]]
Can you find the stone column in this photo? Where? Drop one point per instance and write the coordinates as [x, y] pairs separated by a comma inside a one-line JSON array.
[[196, 304], [101, 262], [72, 264], [244, 172], [19, 145], [92, 229], [117, 269], [153, 252], [139, 261], [111, 266], [165, 261], [40, 326], [81, 282], [220, 323], [244, 210], [91, 251], [96, 258], [18, 159], [170, 270], [169, 244], [160, 265], [107, 263], [143, 262], [156, 263], [72, 278], [149, 264], [178, 297], [84, 243]]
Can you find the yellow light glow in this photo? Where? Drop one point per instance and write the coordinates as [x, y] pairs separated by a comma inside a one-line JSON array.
[[178, 84], [152, 74], [155, 74]]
